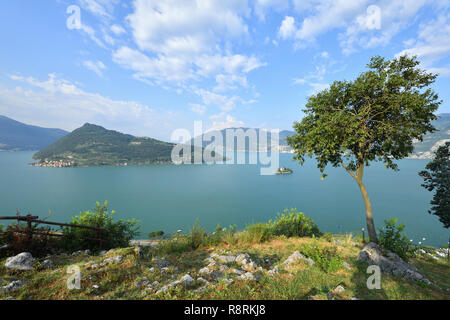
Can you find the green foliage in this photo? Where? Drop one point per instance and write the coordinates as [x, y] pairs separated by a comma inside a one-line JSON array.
[[155, 234], [95, 145], [293, 224], [328, 237], [437, 178], [197, 235], [326, 258], [256, 233], [375, 117], [177, 244], [391, 238], [116, 233]]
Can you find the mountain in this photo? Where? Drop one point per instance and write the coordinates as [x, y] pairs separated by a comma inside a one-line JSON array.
[[92, 145], [431, 141], [422, 150], [17, 136], [249, 145]]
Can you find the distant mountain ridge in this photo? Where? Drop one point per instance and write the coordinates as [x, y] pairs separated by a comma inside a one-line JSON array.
[[422, 150], [93, 145], [18, 136]]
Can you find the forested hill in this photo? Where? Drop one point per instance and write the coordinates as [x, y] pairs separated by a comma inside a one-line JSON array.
[[93, 145]]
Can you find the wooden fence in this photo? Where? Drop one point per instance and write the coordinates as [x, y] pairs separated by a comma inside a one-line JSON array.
[[29, 231]]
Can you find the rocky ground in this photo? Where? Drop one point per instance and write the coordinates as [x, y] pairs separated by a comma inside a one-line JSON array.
[[273, 270]]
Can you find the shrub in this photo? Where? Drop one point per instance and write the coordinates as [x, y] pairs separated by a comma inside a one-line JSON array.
[[391, 238], [155, 234], [256, 233], [197, 236], [20, 239], [229, 235], [177, 244], [294, 224], [116, 233], [328, 237], [326, 258]]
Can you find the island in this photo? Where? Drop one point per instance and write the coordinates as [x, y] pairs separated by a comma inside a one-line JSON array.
[[284, 171], [93, 145]]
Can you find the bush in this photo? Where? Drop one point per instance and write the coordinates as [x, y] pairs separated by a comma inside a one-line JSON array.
[[197, 235], [116, 233], [328, 237], [294, 224], [391, 238], [256, 233], [18, 239], [155, 234], [326, 258]]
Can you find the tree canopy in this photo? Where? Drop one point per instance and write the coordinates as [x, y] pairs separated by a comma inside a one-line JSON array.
[[437, 177], [376, 117]]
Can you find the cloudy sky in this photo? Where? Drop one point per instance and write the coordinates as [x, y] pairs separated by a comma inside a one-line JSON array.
[[148, 67]]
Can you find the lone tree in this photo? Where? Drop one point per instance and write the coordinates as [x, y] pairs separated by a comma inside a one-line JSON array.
[[373, 118], [437, 177]]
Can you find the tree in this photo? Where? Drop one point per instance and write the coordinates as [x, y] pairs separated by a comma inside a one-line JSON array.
[[373, 118], [437, 177]]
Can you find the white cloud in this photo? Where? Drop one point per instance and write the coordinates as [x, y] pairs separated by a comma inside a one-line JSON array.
[[96, 66], [229, 122], [198, 108], [59, 103], [363, 23], [117, 29], [287, 29], [223, 102], [262, 7], [432, 44], [182, 40]]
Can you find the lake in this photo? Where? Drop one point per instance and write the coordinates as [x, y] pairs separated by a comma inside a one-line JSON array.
[[169, 197]]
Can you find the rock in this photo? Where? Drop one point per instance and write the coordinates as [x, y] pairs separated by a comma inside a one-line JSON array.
[[23, 261], [237, 271], [87, 252], [13, 286], [116, 259], [273, 271], [226, 259], [346, 265], [204, 281], [296, 257], [48, 264], [247, 276], [390, 263], [144, 243], [187, 280], [241, 257], [102, 253], [339, 289], [152, 269], [155, 283], [250, 266], [161, 263]]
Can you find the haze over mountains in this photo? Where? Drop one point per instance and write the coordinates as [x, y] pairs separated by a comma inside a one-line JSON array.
[[114, 147], [17, 136]]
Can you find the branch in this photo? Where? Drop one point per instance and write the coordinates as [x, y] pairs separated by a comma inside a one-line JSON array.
[[349, 171]]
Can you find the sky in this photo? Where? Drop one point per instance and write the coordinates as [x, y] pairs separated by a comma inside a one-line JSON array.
[[149, 67]]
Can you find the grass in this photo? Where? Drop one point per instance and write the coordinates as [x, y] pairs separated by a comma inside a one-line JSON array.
[[302, 281]]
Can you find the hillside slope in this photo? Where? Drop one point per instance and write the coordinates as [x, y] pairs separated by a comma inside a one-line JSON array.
[[17, 136], [95, 145]]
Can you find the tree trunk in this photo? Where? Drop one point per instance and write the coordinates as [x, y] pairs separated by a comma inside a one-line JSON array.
[[369, 216]]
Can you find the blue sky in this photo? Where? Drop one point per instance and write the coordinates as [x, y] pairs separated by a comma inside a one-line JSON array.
[[148, 67]]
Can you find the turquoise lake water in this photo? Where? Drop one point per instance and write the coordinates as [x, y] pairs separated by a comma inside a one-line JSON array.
[[169, 197]]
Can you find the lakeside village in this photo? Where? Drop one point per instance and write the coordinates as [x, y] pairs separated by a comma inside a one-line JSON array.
[[53, 163]]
